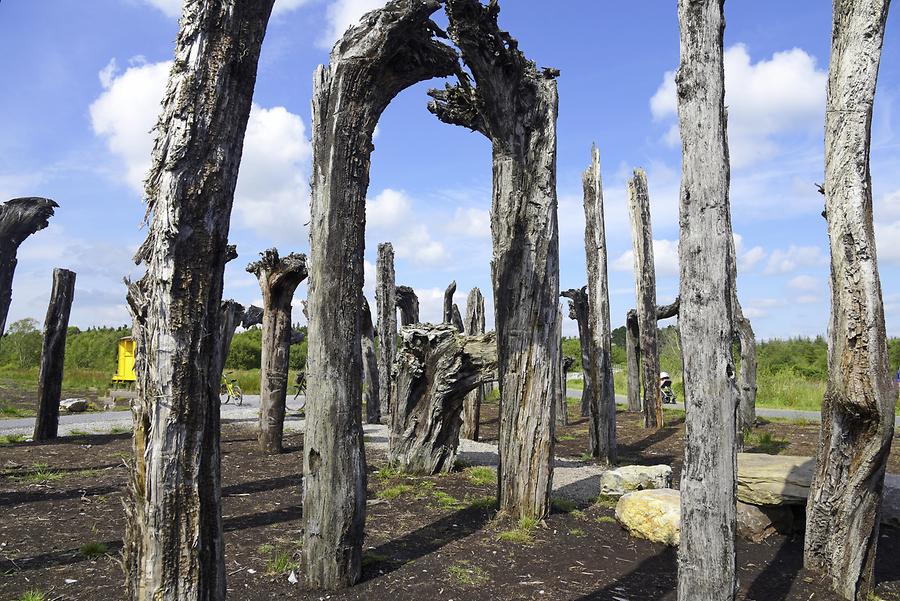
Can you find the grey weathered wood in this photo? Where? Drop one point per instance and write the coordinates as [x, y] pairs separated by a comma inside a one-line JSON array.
[[602, 403], [472, 405], [371, 376], [386, 307], [746, 380], [231, 314], [19, 218], [842, 516], [562, 406], [388, 51], [456, 319], [633, 361], [278, 280], [53, 354], [253, 316], [706, 565], [173, 541], [645, 291], [579, 311], [436, 367], [515, 106], [408, 303], [451, 310]]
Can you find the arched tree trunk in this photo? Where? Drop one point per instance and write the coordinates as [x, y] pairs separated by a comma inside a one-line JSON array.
[[842, 516], [633, 361], [472, 404], [173, 540], [579, 311], [390, 50], [706, 566], [370, 364], [19, 218], [53, 354], [386, 306], [408, 303], [278, 280], [515, 106]]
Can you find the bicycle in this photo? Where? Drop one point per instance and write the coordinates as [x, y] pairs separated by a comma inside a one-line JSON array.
[[300, 388], [231, 390]]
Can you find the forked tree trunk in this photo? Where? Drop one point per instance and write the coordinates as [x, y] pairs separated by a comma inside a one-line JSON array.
[[408, 303], [53, 354], [562, 408], [842, 516], [706, 565], [370, 364], [633, 361], [451, 310], [390, 50], [472, 404], [436, 367], [602, 403], [278, 280], [386, 306], [645, 290], [19, 218], [579, 311], [231, 314], [173, 540]]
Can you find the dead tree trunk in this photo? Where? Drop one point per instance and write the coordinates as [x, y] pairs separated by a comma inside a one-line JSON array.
[[645, 290], [706, 566], [386, 306], [173, 540], [602, 403], [842, 518], [515, 106], [451, 311], [562, 407], [53, 354], [436, 367], [370, 365], [278, 280], [408, 303], [231, 314], [390, 50], [472, 404], [579, 311], [746, 380], [633, 361], [19, 218]]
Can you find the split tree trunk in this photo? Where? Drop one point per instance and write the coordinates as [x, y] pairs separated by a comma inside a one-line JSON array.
[[562, 408], [515, 106], [231, 314], [579, 311], [645, 290], [602, 403], [472, 404], [173, 540], [53, 354], [386, 306], [451, 310], [842, 516], [19, 218], [278, 280], [408, 303], [436, 367], [633, 361], [706, 566], [746, 381], [370, 364], [390, 50]]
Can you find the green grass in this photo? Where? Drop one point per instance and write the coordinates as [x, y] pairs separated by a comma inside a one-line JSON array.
[[370, 558], [12, 438], [9, 411], [481, 476], [607, 502], [466, 573], [577, 532], [577, 514], [395, 492], [387, 472], [75, 379], [93, 550], [445, 500], [521, 534], [562, 505], [566, 437], [764, 442], [605, 519], [482, 502], [281, 562], [32, 595], [40, 472]]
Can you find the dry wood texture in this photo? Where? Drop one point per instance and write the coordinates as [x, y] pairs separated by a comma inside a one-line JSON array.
[[53, 354], [370, 364], [408, 303], [472, 405], [386, 307], [231, 314], [578, 311], [562, 407], [633, 361]]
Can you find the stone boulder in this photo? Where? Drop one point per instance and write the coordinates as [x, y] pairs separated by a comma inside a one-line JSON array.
[[651, 514], [629, 478], [774, 479], [758, 523], [74, 405]]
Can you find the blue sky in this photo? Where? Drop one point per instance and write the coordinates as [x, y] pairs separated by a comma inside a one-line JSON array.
[[84, 81]]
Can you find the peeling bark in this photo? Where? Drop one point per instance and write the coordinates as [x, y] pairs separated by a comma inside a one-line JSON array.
[[408, 303], [370, 364], [386, 306], [472, 404], [53, 354], [515, 106], [436, 367], [390, 50], [706, 565], [278, 280], [579, 312], [842, 516]]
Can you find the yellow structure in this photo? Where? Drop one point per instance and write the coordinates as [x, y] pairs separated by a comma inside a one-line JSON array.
[[124, 361]]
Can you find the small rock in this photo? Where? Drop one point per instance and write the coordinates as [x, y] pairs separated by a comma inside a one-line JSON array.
[[629, 478], [758, 523], [652, 514], [292, 578], [74, 405]]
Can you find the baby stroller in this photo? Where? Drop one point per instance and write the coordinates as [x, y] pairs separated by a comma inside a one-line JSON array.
[[665, 389]]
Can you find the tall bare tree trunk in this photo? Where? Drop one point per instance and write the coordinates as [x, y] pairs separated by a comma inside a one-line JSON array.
[[842, 518], [562, 407], [706, 566], [390, 50], [451, 310], [19, 218], [747, 374], [386, 307], [602, 404], [231, 314], [408, 303], [370, 364], [278, 280], [53, 354], [173, 539], [515, 106], [645, 290], [633, 361], [579, 311], [472, 405]]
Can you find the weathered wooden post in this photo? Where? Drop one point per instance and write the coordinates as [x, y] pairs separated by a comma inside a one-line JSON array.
[[633, 361], [706, 565], [388, 51], [53, 354], [19, 218], [370, 364], [562, 405], [579, 311], [173, 540], [278, 280], [746, 377], [472, 405], [408, 303], [515, 106], [386, 307], [842, 516], [451, 310]]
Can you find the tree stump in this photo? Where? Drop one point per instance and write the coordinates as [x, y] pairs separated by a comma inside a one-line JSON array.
[[53, 354], [472, 405], [451, 310], [408, 303], [578, 311], [386, 306], [436, 367], [370, 364]]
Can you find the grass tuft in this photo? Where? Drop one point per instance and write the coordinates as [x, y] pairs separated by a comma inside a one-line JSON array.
[[11, 411], [577, 532], [40, 472], [764, 442], [482, 502], [562, 505], [481, 476], [396, 491], [12, 438], [607, 502], [281, 562], [387, 472], [32, 595], [521, 534], [93, 550], [466, 573], [605, 519]]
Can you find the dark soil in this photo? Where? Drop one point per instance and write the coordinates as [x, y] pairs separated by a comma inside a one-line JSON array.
[[427, 538]]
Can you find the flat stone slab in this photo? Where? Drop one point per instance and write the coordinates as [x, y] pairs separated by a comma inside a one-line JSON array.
[[629, 478], [774, 479]]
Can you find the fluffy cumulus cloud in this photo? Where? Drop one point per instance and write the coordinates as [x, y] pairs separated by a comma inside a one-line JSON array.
[[887, 228], [795, 257], [172, 8], [342, 14], [784, 94], [470, 222], [391, 216], [665, 259], [748, 258]]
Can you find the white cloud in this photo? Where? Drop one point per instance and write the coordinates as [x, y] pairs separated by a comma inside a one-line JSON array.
[[786, 261], [887, 228], [391, 208], [471, 223], [805, 283], [390, 217], [342, 14], [747, 259], [172, 8], [665, 259]]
